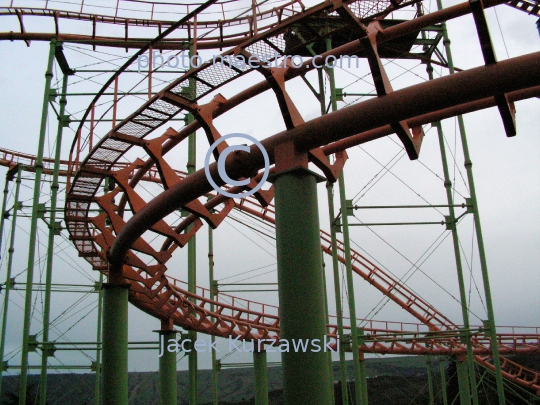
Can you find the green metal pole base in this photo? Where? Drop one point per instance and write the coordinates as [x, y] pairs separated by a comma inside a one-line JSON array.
[[167, 369], [115, 344], [307, 377], [261, 378], [463, 382]]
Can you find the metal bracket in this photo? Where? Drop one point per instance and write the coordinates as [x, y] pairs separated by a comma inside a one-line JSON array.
[[506, 109], [32, 343], [65, 120], [57, 227], [470, 205], [463, 335], [411, 138], [486, 327], [450, 222], [42, 209], [48, 349], [350, 208], [52, 94]]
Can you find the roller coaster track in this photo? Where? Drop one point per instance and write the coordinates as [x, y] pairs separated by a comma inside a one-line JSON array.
[[150, 289], [270, 18], [164, 297]]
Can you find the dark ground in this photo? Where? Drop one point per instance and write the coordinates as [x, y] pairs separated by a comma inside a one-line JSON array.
[[391, 381]]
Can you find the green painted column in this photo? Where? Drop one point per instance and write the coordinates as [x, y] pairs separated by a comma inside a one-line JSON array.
[[335, 260], [463, 382], [360, 374], [307, 377], [212, 308], [115, 344], [3, 214], [261, 377], [337, 292], [23, 380], [167, 369], [192, 250], [54, 229], [99, 341], [492, 332], [11, 250], [430, 381], [443, 381], [452, 225], [192, 275]]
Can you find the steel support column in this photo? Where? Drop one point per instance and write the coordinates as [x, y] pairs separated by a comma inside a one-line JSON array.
[[53, 230], [33, 227], [335, 259], [99, 339], [463, 381], [442, 372], [479, 238], [360, 375], [337, 292], [261, 377], [115, 344], [192, 278], [192, 253], [430, 380], [307, 377], [11, 249], [167, 367], [212, 297], [452, 223]]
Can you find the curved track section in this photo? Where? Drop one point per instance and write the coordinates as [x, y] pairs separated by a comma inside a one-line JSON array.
[[240, 26], [144, 264]]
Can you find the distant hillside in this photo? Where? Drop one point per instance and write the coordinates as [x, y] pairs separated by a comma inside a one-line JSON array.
[[392, 381]]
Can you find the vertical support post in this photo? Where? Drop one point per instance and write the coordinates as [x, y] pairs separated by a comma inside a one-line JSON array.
[[115, 102], [335, 264], [167, 366], [92, 120], [212, 297], [254, 16], [53, 230], [261, 377], [463, 381], [307, 377], [452, 224], [360, 375], [430, 381], [23, 380], [115, 343], [337, 293], [150, 69], [11, 249], [3, 213], [192, 257], [443, 381], [479, 237], [99, 338]]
